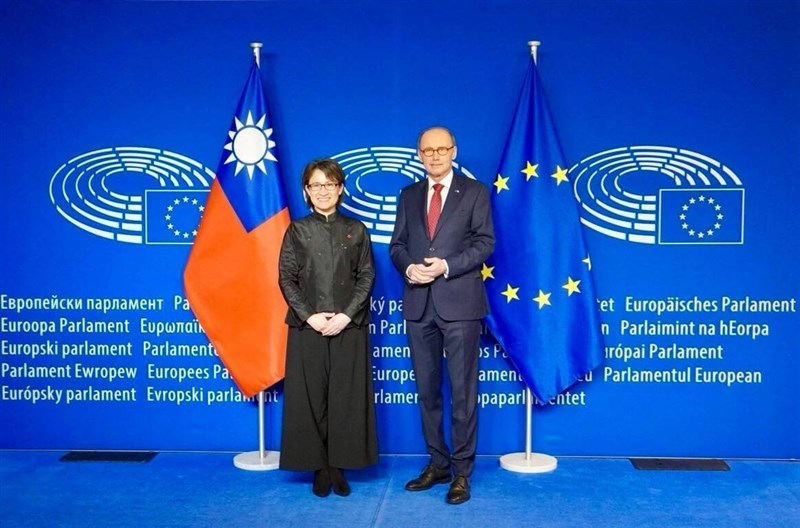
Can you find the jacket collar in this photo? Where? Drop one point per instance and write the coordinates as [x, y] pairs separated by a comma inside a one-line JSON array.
[[326, 219]]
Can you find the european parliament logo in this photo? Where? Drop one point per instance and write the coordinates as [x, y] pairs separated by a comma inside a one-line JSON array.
[[136, 195], [374, 177], [660, 195], [643, 194]]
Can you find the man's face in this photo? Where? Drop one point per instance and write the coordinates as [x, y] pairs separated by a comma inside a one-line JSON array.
[[437, 165]]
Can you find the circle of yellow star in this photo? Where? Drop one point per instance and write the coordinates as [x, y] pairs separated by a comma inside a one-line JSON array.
[[510, 293], [560, 175], [486, 272], [571, 286], [530, 171], [543, 299], [501, 183]]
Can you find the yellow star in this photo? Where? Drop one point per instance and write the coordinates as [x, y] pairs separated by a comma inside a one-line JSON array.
[[560, 175], [530, 171], [486, 272], [500, 183], [571, 286], [510, 293], [543, 298], [588, 262]]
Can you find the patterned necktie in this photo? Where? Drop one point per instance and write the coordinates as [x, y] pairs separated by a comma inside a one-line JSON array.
[[435, 209]]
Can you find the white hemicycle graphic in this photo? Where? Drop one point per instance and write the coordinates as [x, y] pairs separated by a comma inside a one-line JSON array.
[[103, 191], [366, 170], [129, 194], [618, 200]]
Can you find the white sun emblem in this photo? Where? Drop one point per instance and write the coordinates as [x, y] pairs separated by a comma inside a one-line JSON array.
[[250, 145]]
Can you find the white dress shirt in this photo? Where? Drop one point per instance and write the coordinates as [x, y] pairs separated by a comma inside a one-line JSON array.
[[447, 182]]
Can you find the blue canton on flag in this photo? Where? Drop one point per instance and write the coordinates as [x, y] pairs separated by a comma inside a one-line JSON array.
[[541, 293], [248, 171]]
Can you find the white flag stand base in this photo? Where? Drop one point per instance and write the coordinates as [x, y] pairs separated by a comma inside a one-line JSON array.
[[528, 462], [261, 460], [253, 461], [521, 463]]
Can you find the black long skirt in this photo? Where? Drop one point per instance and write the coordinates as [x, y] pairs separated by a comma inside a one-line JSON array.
[[328, 401]]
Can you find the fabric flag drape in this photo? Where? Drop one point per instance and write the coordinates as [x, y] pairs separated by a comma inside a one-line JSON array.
[[231, 276], [541, 293]]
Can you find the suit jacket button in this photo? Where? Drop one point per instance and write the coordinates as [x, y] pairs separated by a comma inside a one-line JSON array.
[[431, 249]]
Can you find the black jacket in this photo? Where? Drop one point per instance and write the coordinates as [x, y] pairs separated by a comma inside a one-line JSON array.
[[326, 266]]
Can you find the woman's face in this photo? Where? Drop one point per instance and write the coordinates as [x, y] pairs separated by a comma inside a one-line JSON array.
[[323, 199]]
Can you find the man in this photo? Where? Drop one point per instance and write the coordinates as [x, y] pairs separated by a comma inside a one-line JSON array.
[[442, 236]]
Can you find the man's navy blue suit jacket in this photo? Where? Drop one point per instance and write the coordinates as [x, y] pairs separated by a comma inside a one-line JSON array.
[[464, 237]]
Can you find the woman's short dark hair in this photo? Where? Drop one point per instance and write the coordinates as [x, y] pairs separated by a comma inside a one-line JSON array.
[[332, 171]]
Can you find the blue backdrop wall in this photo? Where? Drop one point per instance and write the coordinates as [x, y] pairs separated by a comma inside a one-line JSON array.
[[109, 101]]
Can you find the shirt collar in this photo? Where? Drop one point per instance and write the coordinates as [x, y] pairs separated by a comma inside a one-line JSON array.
[[447, 181]]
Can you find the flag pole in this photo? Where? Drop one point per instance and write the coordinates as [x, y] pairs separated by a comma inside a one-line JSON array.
[[256, 46], [529, 462], [261, 460]]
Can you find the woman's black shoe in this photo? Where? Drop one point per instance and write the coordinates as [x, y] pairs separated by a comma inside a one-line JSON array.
[[340, 485], [322, 483]]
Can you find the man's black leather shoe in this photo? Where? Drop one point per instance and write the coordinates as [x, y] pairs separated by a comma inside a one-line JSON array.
[[459, 491], [429, 477]]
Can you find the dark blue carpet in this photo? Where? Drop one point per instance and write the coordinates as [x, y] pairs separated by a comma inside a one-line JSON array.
[[206, 490]]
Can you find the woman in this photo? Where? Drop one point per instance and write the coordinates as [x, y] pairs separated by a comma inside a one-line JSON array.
[[326, 274]]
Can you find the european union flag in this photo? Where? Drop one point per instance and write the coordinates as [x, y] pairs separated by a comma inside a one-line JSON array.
[[698, 215], [172, 215], [541, 293]]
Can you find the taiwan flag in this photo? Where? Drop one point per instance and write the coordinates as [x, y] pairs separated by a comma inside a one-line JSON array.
[[231, 277]]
